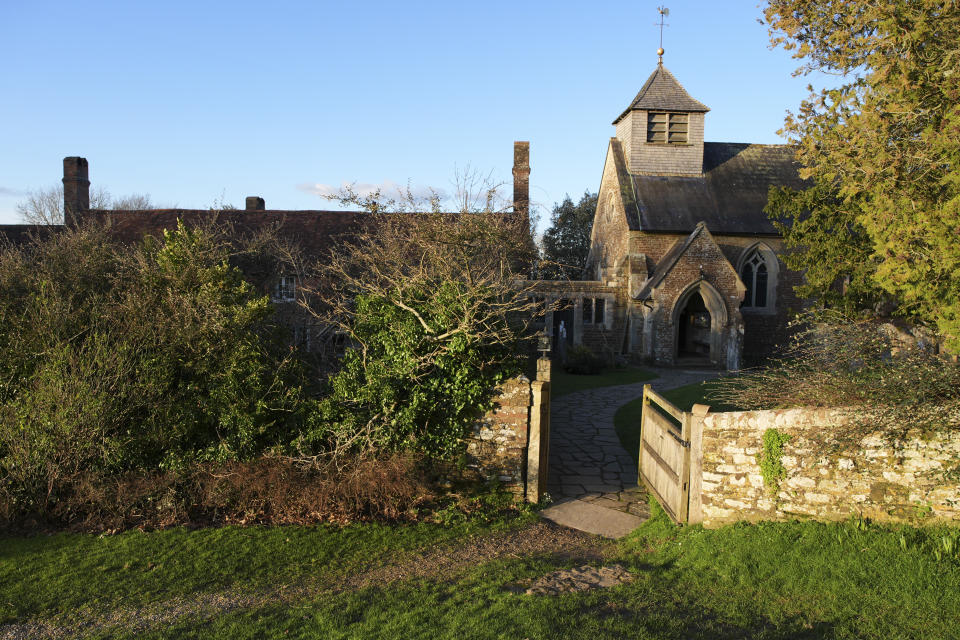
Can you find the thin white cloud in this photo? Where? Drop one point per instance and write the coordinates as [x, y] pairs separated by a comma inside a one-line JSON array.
[[387, 188], [13, 193]]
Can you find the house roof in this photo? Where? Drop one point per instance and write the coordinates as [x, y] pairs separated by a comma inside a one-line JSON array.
[[729, 197], [22, 233], [663, 92], [315, 230]]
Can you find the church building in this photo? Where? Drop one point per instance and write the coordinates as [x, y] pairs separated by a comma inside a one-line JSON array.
[[683, 266]]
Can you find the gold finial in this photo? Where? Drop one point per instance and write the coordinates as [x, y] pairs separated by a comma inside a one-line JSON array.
[[664, 12]]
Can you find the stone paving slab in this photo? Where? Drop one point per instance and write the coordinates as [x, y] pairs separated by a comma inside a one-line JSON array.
[[587, 464], [592, 518]]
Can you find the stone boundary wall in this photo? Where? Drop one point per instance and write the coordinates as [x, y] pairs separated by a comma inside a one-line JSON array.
[[517, 428], [920, 481]]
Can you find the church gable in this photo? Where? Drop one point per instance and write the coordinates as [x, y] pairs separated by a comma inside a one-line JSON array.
[[691, 304], [616, 205], [696, 258]]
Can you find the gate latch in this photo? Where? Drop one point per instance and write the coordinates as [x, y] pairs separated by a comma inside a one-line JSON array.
[[683, 443]]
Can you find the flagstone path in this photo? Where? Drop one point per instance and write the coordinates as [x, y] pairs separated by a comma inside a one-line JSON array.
[[589, 469]]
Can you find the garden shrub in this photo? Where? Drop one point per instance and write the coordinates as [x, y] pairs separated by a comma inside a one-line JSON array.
[[117, 359], [887, 386], [582, 361], [126, 371], [435, 318], [266, 490]]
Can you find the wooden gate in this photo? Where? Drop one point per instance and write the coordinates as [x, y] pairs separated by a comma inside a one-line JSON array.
[[665, 453]]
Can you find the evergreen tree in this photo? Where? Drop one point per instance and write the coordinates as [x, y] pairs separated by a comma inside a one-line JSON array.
[[567, 242], [882, 151]]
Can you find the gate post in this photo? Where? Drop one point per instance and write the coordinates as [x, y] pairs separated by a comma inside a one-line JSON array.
[[697, 414], [538, 434]]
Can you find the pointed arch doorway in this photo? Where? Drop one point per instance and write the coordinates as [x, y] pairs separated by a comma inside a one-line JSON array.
[[693, 331], [699, 319]]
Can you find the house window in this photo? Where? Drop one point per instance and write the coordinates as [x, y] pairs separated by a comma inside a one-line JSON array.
[[593, 310], [667, 128], [754, 275], [286, 290], [302, 335]]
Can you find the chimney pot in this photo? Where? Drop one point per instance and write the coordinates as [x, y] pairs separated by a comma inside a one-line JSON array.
[[256, 203]]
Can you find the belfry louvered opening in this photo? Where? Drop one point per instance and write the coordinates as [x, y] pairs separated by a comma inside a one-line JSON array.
[[667, 128]]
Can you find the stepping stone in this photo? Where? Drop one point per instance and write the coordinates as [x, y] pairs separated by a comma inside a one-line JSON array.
[[589, 517]]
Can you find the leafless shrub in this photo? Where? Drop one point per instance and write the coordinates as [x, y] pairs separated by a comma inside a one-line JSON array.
[[267, 490], [890, 387]]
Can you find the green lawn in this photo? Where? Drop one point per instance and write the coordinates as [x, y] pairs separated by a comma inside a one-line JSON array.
[[772, 580], [562, 383], [627, 419]]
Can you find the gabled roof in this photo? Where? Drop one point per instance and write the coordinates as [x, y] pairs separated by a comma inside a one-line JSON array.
[[667, 262], [662, 92], [315, 231], [730, 197], [673, 256]]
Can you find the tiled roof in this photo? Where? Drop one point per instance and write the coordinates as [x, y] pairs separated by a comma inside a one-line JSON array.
[[21, 233], [315, 231], [662, 92], [729, 198]]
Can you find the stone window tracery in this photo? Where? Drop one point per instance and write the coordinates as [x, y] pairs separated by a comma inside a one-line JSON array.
[[758, 272]]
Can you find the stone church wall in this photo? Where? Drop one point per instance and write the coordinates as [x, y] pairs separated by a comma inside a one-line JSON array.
[[915, 482], [610, 235], [767, 330]]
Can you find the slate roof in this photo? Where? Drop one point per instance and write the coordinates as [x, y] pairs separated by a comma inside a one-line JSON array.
[[729, 198], [662, 92]]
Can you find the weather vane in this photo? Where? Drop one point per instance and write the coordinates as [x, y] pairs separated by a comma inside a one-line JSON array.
[[664, 12]]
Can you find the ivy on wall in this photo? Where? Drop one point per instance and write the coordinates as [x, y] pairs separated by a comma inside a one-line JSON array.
[[770, 458]]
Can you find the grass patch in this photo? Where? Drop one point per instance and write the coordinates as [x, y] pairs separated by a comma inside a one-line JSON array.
[[45, 576], [562, 383], [626, 420], [806, 579], [771, 580], [697, 393]]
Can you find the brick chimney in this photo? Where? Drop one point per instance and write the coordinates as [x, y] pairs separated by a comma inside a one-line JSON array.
[[76, 190], [256, 203], [521, 178]]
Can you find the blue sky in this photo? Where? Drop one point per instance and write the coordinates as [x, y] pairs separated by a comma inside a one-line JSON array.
[[197, 103]]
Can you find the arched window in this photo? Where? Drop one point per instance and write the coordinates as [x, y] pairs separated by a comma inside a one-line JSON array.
[[758, 271]]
